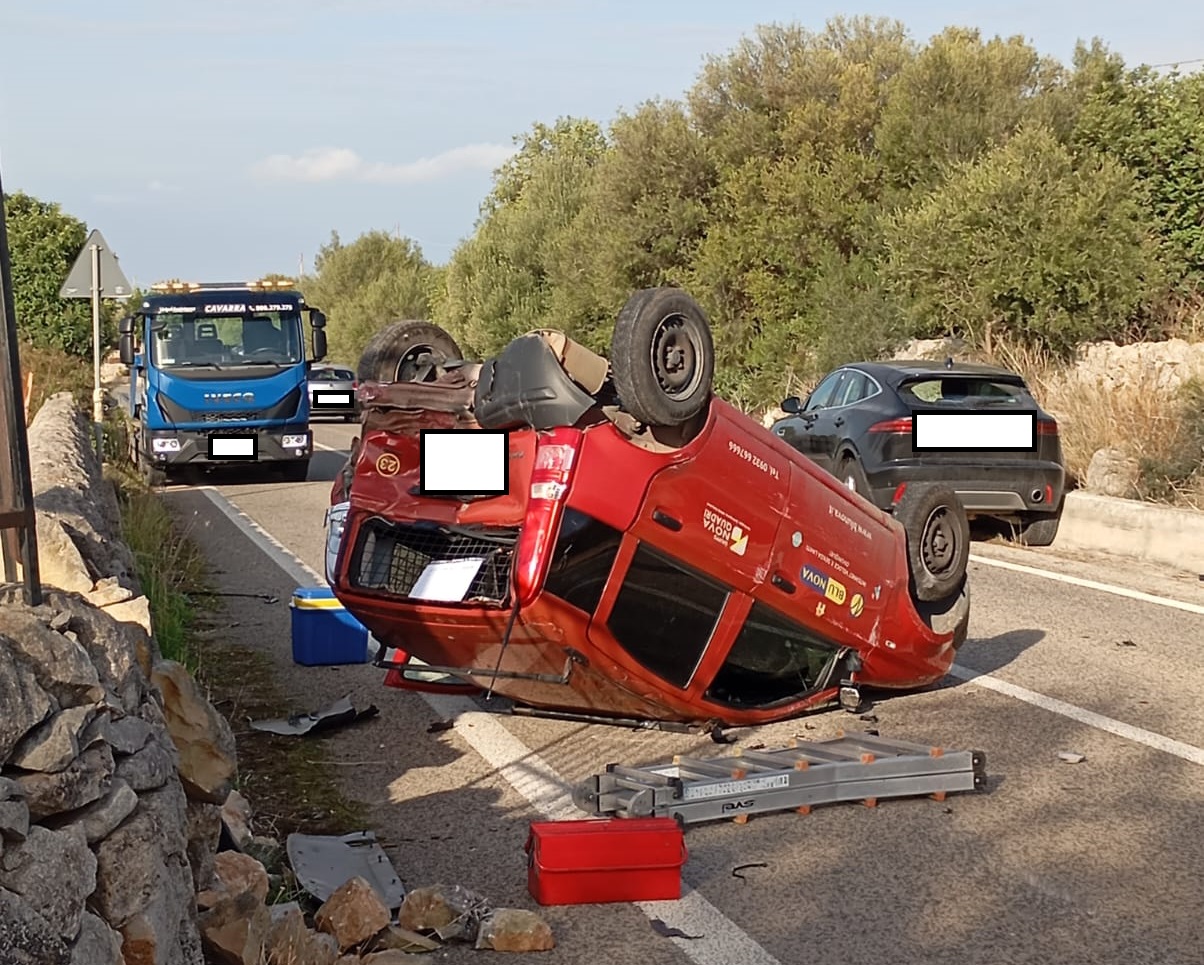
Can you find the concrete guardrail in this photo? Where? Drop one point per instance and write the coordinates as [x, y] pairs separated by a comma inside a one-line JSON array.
[[1127, 527]]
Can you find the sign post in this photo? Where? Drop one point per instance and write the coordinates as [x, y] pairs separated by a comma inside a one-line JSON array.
[[96, 274], [18, 521]]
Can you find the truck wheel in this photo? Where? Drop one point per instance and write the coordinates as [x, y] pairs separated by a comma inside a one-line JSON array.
[[663, 357], [938, 540], [951, 615], [394, 354]]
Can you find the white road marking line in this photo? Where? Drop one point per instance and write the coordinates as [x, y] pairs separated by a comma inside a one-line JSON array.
[[1090, 584], [318, 445], [294, 566], [1140, 735], [723, 941]]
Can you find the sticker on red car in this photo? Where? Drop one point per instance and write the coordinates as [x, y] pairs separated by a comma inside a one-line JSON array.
[[726, 529]]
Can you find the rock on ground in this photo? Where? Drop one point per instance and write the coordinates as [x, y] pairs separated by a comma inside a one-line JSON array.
[[235, 930], [353, 914], [515, 930], [201, 735], [1113, 472]]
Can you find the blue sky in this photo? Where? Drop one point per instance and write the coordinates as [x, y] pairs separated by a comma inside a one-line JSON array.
[[225, 139]]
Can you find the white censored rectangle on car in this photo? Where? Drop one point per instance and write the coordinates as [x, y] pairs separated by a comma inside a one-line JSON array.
[[233, 447], [963, 431], [464, 462], [325, 399]]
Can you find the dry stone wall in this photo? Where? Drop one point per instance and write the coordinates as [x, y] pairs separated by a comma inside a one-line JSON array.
[[113, 765]]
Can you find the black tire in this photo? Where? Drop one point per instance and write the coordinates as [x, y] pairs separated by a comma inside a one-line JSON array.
[[1039, 530], [852, 476], [663, 357], [938, 540], [950, 615], [295, 471], [391, 354]]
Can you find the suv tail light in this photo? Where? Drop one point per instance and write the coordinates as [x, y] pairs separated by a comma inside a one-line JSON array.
[[893, 426], [555, 455], [1047, 427]]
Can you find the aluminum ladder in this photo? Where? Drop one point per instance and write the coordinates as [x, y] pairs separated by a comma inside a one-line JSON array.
[[855, 766]]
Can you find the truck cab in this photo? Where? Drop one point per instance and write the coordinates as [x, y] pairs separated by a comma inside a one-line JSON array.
[[218, 376]]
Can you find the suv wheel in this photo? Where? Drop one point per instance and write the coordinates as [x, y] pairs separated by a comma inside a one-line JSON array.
[[1039, 530], [938, 540], [663, 357], [407, 351]]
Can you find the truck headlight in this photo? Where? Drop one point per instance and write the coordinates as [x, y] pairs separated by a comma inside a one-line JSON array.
[[165, 445], [294, 442]]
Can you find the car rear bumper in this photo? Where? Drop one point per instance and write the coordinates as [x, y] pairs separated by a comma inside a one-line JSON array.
[[984, 491]]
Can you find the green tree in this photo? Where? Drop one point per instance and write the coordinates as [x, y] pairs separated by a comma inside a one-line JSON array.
[[377, 279], [1154, 125], [44, 242], [1025, 243], [512, 276]]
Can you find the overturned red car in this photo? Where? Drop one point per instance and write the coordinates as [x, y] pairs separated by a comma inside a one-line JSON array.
[[658, 556]]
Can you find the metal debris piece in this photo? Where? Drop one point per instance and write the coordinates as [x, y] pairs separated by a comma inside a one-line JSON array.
[[668, 931], [1070, 757], [324, 863], [339, 714], [741, 867]]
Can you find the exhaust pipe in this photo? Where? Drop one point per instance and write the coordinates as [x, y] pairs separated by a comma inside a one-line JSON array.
[[1037, 495]]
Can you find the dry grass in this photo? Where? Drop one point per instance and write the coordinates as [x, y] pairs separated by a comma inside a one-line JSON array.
[[1161, 429]]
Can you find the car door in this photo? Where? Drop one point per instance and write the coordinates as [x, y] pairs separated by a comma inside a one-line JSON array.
[[831, 425], [798, 430]]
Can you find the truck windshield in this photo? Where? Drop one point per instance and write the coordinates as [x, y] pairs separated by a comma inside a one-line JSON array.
[[262, 338]]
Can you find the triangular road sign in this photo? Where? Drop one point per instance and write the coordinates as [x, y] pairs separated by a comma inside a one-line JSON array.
[[113, 284]]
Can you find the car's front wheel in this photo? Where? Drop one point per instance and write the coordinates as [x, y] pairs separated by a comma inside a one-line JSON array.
[[938, 540], [407, 351]]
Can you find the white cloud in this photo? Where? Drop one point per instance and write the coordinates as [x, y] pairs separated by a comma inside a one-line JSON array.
[[344, 164]]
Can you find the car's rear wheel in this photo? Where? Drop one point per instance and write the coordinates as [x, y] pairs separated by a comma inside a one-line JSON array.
[[950, 615], [1039, 530], [938, 540], [853, 476], [663, 357], [407, 351]]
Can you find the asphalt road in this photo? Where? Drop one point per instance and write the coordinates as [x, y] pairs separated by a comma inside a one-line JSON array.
[[1095, 862]]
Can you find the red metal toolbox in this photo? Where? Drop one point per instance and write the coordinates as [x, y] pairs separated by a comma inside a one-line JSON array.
[[604, 860]]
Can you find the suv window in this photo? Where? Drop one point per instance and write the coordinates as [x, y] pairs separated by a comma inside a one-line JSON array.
[[933, 390], [821, 398], [664, 615], [772, 660], [855, 387]]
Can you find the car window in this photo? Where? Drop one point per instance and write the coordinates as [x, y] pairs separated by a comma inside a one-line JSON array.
[[772, 660], [664, 615], [854, 388], [581, 562], [962, 389], [821, 398], [343, 375]]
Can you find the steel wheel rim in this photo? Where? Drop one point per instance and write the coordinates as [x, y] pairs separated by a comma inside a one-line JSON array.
[[938, 544], [407, 367], [676, 356]]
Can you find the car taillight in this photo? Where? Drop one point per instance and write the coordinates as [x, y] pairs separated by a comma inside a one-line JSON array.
[[899, 491], [893, 426], [355, 384], [1047, 427], [555, 454]]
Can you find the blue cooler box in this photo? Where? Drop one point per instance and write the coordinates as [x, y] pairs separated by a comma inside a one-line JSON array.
[[323, 631]]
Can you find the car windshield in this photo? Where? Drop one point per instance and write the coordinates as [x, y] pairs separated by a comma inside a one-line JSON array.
[[218, 340], [964, 390]]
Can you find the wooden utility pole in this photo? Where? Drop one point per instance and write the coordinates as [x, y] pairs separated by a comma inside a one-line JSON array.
[[18, 522]]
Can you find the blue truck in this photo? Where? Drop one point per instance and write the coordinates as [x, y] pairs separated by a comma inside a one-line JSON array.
[[218, 376]]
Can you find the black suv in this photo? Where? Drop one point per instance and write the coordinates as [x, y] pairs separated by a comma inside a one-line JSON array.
[[880, 426]]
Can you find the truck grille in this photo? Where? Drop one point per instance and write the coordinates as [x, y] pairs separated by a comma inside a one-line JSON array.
[[392, 557], [246, 416]]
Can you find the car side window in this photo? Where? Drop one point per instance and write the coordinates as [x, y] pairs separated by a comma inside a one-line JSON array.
[[855, 387], [665, 614], [822, 397]]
